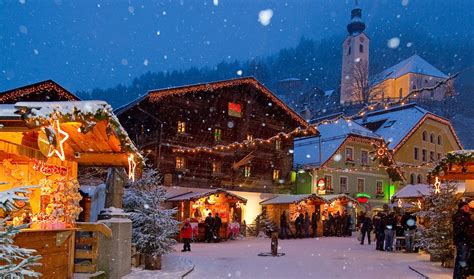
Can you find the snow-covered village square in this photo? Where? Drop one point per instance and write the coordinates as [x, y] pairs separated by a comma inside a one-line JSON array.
[[236, 139]]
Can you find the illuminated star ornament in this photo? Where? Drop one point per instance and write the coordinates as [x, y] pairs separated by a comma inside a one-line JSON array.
[[54, 138], [419, 204], [400, 203], [437, 185], [131, 167]]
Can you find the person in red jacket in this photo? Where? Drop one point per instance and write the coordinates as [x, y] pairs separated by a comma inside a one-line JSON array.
[[186, 235]]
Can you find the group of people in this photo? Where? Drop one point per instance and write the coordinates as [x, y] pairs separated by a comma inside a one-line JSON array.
[[386, 226], [303, 223], [212, 228], [338, 224]]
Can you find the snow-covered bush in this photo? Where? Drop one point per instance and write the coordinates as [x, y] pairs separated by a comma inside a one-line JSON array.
[[153, 226]]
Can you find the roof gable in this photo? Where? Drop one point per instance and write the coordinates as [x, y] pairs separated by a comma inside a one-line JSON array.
[[414, 64], [158, 95], [37, 92]]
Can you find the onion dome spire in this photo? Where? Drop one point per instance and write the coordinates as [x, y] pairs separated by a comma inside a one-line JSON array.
[[356, 26]]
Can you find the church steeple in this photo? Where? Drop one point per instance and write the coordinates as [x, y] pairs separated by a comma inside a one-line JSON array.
[[356, 26]]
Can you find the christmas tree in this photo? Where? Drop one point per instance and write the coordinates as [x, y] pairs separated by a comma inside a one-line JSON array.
[[153, 225], [263, 225], [437, 230], [15, 262]]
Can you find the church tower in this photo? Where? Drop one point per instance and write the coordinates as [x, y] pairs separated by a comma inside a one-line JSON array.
[[355, 57]]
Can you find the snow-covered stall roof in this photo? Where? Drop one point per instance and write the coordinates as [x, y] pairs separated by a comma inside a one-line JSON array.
[[331, 198], [192, 196], [413, 191], [43, 90], [333, 135], [95, 134], [287, 199], [414, 64], [7, 112]]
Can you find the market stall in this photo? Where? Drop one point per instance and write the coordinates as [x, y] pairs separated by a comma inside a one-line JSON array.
[[41, 146], [293, 206], [197, 205], [337, 204]]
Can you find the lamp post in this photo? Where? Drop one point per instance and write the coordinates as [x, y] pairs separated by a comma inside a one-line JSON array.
[[157, 160]]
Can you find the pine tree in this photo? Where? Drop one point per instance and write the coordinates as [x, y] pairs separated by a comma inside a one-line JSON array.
[[263, 225], [437, 230], [15, 262], [153, 226]]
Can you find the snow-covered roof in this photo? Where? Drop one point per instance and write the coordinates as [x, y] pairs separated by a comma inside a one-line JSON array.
[[394, 124], [46, 109], [198, 194], [37, 91], [307, 152], [413, 191], [287, 199], [7, 111], [333, 197], [414, 64]]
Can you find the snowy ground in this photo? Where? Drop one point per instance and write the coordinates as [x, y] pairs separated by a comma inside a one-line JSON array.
[[305, 258]]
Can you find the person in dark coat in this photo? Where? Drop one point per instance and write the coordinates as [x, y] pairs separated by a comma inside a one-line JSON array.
[[186, 235], [390, 224], [314, 224], [365, 229], [378, 223], [209, 226], [409, 228], [338, 224], [463, 239], [283, 226], [299, 225], [307, 223], [217, 227], [330, 223]]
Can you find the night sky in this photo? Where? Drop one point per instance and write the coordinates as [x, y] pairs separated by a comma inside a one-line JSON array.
[[87, 44]]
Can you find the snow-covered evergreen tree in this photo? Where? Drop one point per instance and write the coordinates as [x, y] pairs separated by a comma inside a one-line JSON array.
[[153, 225], [437, 230], [263, 225], [15, 262]]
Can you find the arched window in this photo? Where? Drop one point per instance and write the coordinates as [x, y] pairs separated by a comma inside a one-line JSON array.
[[361, 48], [425, 136], [349, 51], [440, 140], [412, 179], [400, 93], [419, 179], [432, 138]]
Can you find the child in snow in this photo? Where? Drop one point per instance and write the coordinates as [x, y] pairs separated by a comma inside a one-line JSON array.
[[186, 235]]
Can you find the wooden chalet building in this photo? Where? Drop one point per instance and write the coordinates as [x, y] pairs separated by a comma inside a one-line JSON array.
[[231, 134], [44, 91]]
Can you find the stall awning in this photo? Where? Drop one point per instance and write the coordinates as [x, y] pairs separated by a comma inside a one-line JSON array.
[[415, 191], [91, 132], [192, 196], [331, 198], [288, 199]]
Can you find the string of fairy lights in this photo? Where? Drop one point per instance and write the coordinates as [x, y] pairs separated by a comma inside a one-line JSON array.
[[381, 150]]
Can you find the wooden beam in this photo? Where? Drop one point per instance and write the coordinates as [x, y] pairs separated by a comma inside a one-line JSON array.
[[103, 159], [457, 176]]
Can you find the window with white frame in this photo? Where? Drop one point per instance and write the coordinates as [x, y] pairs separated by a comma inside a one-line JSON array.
[[349, 154], [364, 157], [360, 185], [343, 184], [379, 187]]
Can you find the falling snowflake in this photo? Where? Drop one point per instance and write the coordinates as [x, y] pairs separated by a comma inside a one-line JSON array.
[[145, 62], [158, 33], [265, 16], [409, 44], [35, 51], [124, 61], [405, 2], [131, 9], [239, 72], [215, 2], [393, 42], [337, 157], [23, 29]]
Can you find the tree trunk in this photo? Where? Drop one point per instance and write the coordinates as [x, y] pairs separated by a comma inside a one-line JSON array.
[[152, 263]]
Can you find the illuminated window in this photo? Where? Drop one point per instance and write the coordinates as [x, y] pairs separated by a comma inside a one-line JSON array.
[[276, 174], [234, 110], [217, 134], [360, 185], [424, 154], [343, 184], [328, 182], [364, 157], [216, 167], [416, 154], [181, 127], [349, 154], [249, 137], [278, 145], [247, 171], [180, 163], [379, 187]]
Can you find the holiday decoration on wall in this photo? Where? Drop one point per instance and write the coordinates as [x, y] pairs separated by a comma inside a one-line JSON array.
[[131, 167], [47, 169], [461, 158], [51, 140], [437, 186], [362, 197]]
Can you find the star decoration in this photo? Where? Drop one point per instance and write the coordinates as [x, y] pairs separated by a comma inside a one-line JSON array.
[[55, 142], [437, 185], [400, 203], [131, 167]]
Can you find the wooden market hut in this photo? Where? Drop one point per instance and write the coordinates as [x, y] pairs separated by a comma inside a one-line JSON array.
[[293, 205], [196, 205], [42, 144]]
